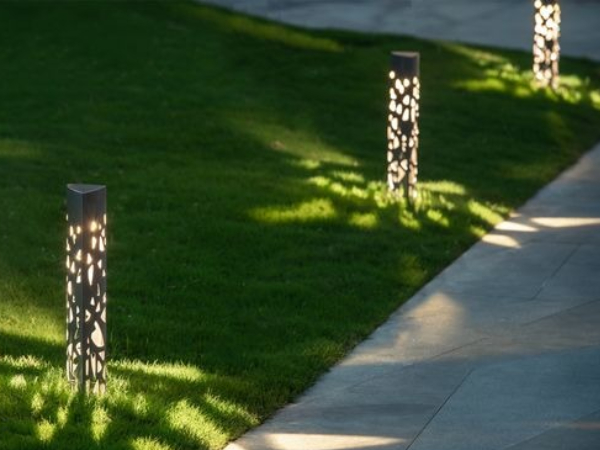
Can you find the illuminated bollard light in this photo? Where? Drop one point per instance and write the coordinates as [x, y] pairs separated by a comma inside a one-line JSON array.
[[403, 126], [546, 50], [86, 287]]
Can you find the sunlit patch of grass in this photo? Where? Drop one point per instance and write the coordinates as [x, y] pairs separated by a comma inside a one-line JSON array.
[[409, 220], [490, 214], [22, 362], [502, 76], [478, 231], [437, 216], [174, 371], [100, 422], [340, 188], [442, 187], [365, 221], [189, 419], [348, 176], [309, 164], [148, 443], [366, 204], [45, 430], [153, 395], [18, 382], [313, 210]]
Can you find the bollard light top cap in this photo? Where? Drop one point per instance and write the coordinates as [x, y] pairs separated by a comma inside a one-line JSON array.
[[405, 64], [85, 188], [406, 54]]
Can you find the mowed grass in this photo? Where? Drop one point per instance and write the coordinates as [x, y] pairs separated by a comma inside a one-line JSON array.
[[251, 239]]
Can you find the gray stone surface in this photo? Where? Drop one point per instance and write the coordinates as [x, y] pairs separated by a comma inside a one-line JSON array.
[[504, 23], [500, 351], [581, 434], [515, 400]]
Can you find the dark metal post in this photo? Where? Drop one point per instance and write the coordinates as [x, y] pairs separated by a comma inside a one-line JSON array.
[[546, 50], [403, 126], [86, 287]]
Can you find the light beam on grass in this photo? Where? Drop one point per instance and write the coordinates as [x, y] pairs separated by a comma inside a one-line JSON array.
[[318, 209], [403, 127], [86, 287], [546, 49]]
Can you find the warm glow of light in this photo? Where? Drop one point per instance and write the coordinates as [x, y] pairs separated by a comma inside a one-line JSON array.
[[546, 49], [305, 441], [148, 443], [18, 382], [186, 418], [514, 226], [501, 240], [317, 209], [86, 306], [365, 221], [90, 274], [167, 370], [565, 222], [100, 422], [403, 135], [436, 318], [45, 430]]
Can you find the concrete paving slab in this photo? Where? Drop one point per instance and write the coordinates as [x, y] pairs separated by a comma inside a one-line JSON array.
[[529, 396], [501, 350], [574, 281], [501, 23], [513, 272], [581, 434], [572, 328]]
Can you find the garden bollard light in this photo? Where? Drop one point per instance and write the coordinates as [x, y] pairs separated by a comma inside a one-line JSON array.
[[403, 126], [86, 287], [546, 50]]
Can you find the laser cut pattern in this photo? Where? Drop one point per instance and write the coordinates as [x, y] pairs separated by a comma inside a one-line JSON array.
[[403, 126], [546, 50], [86, 287]]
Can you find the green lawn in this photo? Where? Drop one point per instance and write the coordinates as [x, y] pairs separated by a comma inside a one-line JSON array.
[[251, 240]]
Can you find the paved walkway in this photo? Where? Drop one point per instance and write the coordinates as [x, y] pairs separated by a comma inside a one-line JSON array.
[[500, 351], [503, 23]]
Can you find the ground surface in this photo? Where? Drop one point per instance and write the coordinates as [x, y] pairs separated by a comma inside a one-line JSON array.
[[251, 240]]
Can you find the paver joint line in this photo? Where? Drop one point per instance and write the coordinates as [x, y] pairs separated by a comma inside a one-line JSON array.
[[532, 438], [567, 258], [573, 308], [462, 382]]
